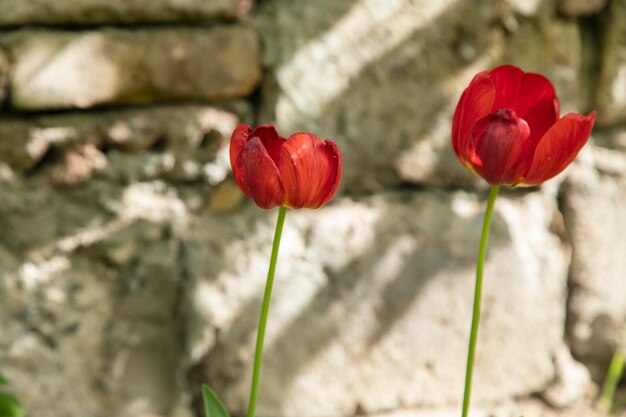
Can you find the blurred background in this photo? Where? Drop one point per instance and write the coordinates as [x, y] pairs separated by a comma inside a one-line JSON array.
[[132, 266]]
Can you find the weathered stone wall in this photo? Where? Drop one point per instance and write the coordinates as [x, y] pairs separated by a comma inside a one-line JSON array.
[[132, 267]]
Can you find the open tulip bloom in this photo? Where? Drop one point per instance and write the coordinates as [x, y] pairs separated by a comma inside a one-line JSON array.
[[506, 129], [300, 172]]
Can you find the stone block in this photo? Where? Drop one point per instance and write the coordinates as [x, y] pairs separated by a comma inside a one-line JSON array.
[[60, 69], [98, 12], [187, 142], [594, 201]]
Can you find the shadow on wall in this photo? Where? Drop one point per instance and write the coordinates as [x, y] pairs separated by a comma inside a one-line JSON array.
[[94, 298], [383, 84], [383, 81], [342, 284], [379, 83]]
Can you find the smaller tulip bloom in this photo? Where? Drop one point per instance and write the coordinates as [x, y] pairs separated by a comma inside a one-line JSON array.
[[302, 171], [506, 128]]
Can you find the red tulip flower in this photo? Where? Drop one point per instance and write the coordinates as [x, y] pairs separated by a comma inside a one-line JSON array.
[[507, 129], [302, 171]]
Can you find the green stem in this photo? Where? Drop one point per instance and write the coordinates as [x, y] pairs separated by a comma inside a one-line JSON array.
[[480, 263], [614, 374], [260, 338]]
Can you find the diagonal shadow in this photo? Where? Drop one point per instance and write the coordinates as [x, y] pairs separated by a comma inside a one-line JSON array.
[[409, 76], [394, 102], [365, 284]]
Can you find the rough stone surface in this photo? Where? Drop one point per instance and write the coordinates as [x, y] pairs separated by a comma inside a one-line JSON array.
[[611, 89], [4, 75], [57, 69], [576, 8], [531, 407], [529, 7], [91, 303], [613, 138], [594, 202], [572, 384], [357, 293], [94, 12], [92, 271], [185, 142], [558, 58], [56, 333], [386, 81], [13, 149], [226, 197], [132, 267]]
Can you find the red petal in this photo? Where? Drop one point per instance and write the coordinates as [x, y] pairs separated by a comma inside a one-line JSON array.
[[310, 170], [335, 155], [535, 89], [238, 139], [559, 146], [500, 140], [257, 175], [270, 139], [475, 102], [519, 91], [508, 81], [540, 118]]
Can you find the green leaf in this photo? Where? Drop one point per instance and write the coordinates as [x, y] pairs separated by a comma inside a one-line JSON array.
[[3, 380], [213, 407], [10, 406]]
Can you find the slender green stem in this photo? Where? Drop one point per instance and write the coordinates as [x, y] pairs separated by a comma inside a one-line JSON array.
[[614, 374], [480, 263], [260, 338]]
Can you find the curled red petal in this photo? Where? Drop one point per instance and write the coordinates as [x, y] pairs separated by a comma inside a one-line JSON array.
[[500, 140], [240, 136], [257, 175], [333, 150], [310, 170], [559, 146], [270, 138], [475, 102], [518, 90]]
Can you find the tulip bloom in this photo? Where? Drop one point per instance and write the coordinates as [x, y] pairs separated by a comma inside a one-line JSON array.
[[506, 128], [302, 171]]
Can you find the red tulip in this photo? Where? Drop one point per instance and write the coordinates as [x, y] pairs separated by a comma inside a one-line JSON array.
[[506, 128], [302, 171]]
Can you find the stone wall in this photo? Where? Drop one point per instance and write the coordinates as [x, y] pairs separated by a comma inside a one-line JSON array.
[[132, 267]]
